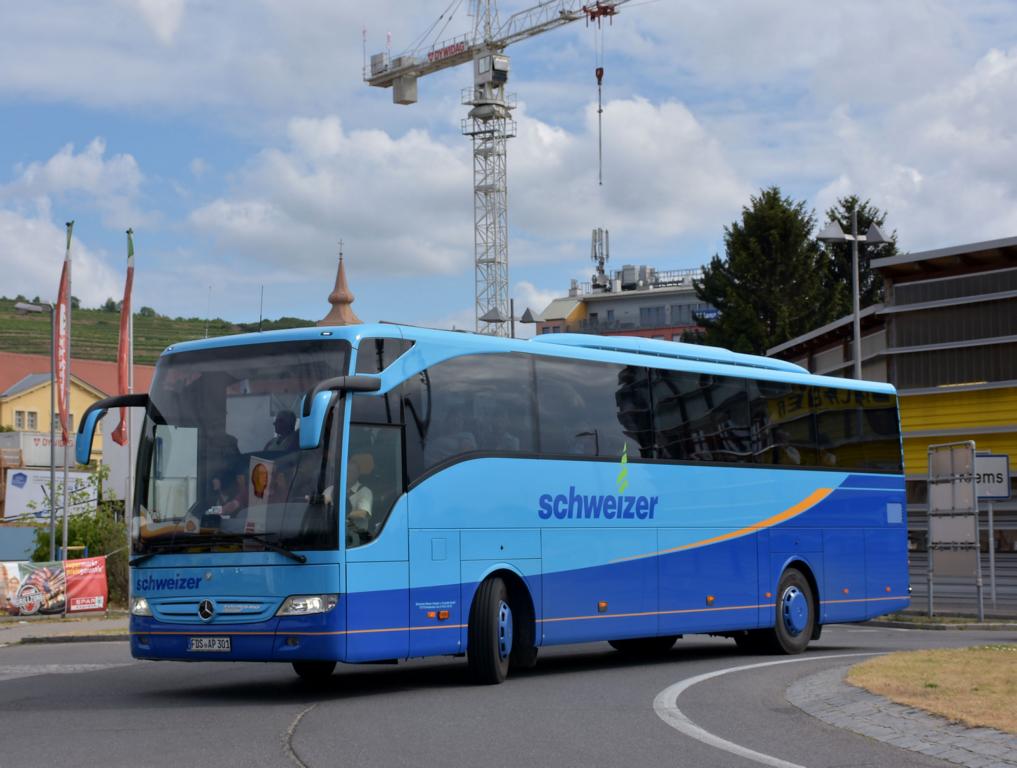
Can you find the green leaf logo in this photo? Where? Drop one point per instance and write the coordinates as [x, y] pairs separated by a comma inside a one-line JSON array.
[[623, 473]]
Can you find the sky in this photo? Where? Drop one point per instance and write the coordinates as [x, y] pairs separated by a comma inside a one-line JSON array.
[[239, 141]]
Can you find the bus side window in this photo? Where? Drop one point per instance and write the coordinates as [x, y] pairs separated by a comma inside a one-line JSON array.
[[676, 400], [374, 480], [593, 409], [375, 355], [783, 424], [471, 404]]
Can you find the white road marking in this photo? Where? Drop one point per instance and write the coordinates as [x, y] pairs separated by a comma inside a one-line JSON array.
[[288, 738], [14, 671], [666, 707]]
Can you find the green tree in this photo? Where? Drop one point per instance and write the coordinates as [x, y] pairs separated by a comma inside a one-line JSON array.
[[109, 306], [146, 312], [75, 302], [838, 256], [102, 530], [769, 285]]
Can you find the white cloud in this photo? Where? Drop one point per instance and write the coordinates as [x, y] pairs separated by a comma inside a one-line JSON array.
[[402, 205], [31, 255], [162, 16], [111, 184], [664, 174], [940, 164]]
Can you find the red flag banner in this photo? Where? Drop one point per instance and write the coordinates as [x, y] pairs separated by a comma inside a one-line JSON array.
[[63, 347], [124, 361], [87, 588]]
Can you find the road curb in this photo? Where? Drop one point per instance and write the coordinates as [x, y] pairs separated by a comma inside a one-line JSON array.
[[826, 696], [45, 640], [992, 626]]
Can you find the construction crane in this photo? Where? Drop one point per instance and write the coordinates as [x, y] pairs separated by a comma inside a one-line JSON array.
[[489, 123]]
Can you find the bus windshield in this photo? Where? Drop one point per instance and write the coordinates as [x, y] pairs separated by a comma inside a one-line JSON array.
[[219, 463]]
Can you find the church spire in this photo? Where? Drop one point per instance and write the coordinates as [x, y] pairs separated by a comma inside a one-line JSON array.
[[341, 298]]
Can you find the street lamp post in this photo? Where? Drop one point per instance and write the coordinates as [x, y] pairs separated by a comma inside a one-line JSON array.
[[832, 233], [23, 306]]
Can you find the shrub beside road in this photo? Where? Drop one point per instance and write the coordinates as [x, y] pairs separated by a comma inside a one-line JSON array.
[[975, 686]]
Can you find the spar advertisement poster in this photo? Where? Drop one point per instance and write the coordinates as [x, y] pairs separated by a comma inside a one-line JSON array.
[[29, 589]]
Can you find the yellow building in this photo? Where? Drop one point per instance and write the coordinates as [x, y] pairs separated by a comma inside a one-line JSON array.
[[25, 406], [25, 396]]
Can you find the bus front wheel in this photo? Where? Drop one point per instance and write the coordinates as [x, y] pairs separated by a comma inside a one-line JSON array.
[[314, 671], [490, 633]]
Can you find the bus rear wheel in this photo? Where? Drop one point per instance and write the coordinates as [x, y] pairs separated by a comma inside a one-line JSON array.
[[644, 646], [490, 633], [314, 671], [795, 617]]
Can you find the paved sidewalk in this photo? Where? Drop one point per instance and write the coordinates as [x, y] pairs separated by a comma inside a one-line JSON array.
[[58, 630], [826, 696]]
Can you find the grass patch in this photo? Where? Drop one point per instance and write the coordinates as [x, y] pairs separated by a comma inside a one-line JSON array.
[[975, 686]]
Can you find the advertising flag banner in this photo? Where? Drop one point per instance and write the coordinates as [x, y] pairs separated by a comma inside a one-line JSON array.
[[63, 344], [63, 340], [87, 588], [29, 589], [124, 361]]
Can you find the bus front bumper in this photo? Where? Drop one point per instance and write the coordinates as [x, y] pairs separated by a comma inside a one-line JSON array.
[[290, 638]]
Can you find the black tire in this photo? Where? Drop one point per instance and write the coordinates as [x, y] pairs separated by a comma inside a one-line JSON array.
[[644, 646], [524, 640], [794, 614], [314, 671], [489, 645]]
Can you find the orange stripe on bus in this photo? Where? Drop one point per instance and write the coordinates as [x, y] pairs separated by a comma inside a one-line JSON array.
[[807, 503]]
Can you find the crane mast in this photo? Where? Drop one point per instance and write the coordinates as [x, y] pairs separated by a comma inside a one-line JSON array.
[[489, 124]]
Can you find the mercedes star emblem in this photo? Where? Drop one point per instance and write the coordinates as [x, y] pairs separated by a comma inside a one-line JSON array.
[[206, 610]]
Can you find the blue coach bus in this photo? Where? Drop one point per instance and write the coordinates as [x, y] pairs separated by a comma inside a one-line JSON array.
[[379, 492]]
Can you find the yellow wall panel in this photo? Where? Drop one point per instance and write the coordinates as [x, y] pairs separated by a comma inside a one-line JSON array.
[[916, 449], [959, 410]]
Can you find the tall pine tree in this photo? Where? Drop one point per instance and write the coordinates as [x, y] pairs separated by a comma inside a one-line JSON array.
[[772, 283], [838, 256]]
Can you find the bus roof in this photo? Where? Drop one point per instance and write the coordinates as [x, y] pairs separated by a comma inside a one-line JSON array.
[[581, 346]]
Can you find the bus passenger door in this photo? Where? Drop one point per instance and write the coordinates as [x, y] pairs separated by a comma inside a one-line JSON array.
[[377, 585]]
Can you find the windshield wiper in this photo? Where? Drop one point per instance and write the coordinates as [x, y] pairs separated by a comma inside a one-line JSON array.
[[228, 538]]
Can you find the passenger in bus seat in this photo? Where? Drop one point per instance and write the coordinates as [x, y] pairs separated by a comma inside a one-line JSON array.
[[359, 498], [285, 432]]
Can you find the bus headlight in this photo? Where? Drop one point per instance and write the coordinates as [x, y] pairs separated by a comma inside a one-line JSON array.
[[140, 607], [303, 605]]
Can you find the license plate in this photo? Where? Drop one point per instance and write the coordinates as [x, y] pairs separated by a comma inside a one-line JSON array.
[[220, 644]]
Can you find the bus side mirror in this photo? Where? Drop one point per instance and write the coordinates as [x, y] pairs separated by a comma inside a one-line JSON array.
[[94, 412], [312, 421], [318, 400], [86, 434]]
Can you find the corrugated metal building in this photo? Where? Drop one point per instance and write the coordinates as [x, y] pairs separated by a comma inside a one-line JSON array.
[[946, 337]]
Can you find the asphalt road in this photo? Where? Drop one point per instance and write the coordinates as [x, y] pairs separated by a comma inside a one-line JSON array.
[[91, 704]]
